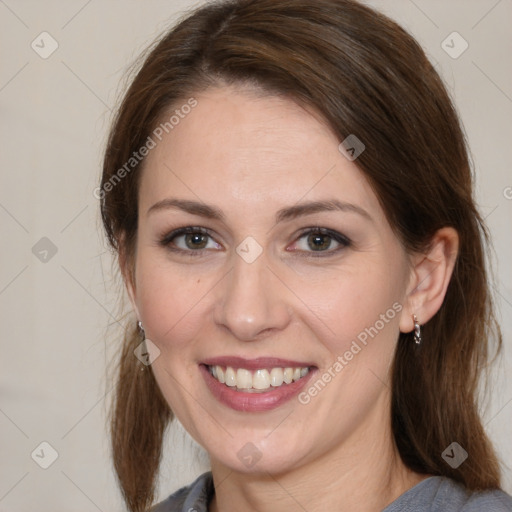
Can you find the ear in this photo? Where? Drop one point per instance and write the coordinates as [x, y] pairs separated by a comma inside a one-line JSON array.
[[430, 275], [126, 264]]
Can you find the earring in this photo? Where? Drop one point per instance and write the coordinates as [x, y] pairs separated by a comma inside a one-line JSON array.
[[417, 330], [141, 329], [143, 334]]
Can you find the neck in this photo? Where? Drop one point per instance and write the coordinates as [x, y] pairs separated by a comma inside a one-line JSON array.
[[364, 473]]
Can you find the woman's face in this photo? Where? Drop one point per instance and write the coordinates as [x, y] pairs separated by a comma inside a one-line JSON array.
[[288, 283]]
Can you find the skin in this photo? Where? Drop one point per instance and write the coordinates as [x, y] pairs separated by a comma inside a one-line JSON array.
[[250, 155]]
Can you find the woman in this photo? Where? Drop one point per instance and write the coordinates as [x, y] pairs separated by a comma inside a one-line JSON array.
[[288, 191]]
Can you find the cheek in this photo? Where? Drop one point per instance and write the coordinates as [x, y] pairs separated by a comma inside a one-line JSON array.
[[357, 322], [171, 301], [357, 303], [171, 304]]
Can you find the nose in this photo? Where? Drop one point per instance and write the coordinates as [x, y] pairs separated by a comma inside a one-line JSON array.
[[252, 301]]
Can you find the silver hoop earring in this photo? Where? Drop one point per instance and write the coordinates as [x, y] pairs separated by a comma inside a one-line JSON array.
[[417, 330], [141, 330], [143, 336]]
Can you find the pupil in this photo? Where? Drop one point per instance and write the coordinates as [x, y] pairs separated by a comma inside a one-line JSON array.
[[196, 240], [318, 242]]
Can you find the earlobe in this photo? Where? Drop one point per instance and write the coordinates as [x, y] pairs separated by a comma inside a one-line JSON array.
[[129, 279], [131, 294], [430, 276]]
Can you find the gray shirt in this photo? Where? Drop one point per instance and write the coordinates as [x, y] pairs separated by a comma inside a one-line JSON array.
[[434, 494]]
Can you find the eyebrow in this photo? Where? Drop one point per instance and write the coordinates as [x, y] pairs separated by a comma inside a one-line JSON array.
[[192, 207], [285, 214], [311, 207]]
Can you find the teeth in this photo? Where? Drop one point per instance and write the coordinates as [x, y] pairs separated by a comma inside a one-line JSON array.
[[243, 379], [260, 380], [230, 377], [276, 377], [288, 375]]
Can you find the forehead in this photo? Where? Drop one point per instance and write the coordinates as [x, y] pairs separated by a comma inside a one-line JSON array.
[[242, 150]]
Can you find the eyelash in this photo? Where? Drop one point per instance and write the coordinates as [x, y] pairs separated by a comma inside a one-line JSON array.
[[344, 241]]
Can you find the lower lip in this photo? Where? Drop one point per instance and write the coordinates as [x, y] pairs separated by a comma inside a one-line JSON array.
[[253, 402]]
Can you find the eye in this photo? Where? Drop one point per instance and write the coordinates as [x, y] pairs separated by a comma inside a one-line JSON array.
[[320, 240], [189, 239]]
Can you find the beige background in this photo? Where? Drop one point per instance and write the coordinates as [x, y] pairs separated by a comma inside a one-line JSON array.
[[55, 314]]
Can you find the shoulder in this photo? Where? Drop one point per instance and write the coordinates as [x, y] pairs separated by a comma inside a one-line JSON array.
[[434, 494], [452, 494], [441, 494], [492, 501], [191, 497]]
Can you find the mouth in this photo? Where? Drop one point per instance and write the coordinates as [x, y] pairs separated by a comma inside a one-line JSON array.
[[257, 381], [255, 385]]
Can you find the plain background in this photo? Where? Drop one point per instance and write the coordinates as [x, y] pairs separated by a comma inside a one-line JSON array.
[[59, 312]]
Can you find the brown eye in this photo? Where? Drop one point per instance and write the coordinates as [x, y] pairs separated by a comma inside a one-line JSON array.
[[322, 241], [189, 239], [196, 240], [319, 241]]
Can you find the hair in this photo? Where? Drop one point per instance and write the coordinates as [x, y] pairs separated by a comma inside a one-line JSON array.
[[367, 76]]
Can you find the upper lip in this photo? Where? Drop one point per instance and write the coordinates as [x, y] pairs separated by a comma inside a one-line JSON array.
[[255, 364]]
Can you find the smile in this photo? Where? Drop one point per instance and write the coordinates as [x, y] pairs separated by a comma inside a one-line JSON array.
[[255, 385], [256, 381]]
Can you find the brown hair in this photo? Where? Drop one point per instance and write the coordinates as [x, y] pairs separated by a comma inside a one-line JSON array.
[[366, 76]]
